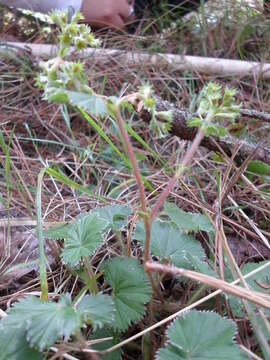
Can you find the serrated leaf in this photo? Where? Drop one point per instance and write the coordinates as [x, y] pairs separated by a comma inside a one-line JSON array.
[[187, 221], [115, 215], [13, 344], [198, 265], [93, 104], [258, 282], [131, 290], [97, 309], [83, 238], [168, 243], [200, 336], [45, 321], [57, 232]]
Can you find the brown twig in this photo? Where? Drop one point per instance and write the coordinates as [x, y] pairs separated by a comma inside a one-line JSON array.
[[180, 129], [252, 296]]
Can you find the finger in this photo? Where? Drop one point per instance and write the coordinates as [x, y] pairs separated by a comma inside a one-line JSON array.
[[117, 22], [124, 9]]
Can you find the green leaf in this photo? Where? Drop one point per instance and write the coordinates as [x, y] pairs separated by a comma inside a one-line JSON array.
[[194, 122], [187, 221], [13, 344], [168, 244], [59, 96], [258, 282], [200, 336], [259, 168], [115, 215], [131, 290], [213, 129], [91, 103], [97, 309], [45, 321], [107, 333], [84, 236], [57, 232]]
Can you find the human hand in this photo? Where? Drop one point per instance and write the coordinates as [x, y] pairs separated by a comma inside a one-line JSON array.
[[113, 13]]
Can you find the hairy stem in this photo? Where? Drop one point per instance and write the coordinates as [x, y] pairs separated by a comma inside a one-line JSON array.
[[93, 287], [137, 175]]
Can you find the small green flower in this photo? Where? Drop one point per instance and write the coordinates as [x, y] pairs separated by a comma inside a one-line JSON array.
[[80, 43], [72, 29], [65, 39], [213, 105], [145, 90]]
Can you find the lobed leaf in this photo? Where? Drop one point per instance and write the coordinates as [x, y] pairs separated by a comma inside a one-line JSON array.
[[57, 232], [45, 322], [131, 290], [115, 215], [167, 243], [83, 237], [187, 221], [92, 103], [200, 336], [97, 309]]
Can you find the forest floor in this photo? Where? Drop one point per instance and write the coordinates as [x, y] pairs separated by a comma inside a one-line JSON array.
[[35, 133]]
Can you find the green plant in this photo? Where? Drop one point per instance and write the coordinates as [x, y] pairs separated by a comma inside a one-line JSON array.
[[115, 294]]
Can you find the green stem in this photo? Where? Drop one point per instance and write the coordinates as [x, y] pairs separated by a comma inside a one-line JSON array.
[[93, 287], [137, 175], [120, 242], [41, 246]]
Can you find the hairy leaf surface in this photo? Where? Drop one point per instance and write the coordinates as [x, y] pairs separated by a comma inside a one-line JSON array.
[[200, 336], [131, 290], [187, 221]]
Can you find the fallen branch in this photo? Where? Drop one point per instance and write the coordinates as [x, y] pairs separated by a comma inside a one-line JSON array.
[[212, 66], [205, 65], [180, 129]]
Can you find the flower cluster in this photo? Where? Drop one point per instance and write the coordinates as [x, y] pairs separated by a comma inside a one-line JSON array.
[[160, 123], [57, 75], [215, 105], [72, 33]]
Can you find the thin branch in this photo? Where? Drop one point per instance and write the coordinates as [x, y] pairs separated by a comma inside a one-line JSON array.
[[197, 64], [252, 296]]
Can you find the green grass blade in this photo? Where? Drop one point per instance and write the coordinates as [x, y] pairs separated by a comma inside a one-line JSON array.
[[101, 133], [41, 246], [65, 180]]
